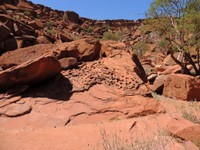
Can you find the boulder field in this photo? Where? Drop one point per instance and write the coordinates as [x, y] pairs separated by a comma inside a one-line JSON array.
[[63, 87]]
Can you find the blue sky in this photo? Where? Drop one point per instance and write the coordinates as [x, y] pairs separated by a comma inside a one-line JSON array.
[[101, 9]]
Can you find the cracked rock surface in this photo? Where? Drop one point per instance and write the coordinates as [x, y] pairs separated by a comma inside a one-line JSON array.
[[93, 93]]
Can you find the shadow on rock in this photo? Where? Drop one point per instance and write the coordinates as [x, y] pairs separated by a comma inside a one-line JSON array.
[[57, 88]]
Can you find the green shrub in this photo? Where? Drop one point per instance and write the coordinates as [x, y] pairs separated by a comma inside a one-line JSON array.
[[76, 37], [39, 16], [51, 31], [163, 45], [190, 116], [112, 36], [140, 48], [90, 30], [49, 24], [107, 27], [17, 17], [27, 13]]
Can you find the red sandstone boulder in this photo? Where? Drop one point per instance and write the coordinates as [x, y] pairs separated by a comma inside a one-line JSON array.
[[171, 69], [19, 56], [43, 40], [88, 49], [67, 63], [36, 24], [184, 129], [109, 46], [84, 49], [182, 87], [160, 68], [30, 72], [65, 37], [168, 61]]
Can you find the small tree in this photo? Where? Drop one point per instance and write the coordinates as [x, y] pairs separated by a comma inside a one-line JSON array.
[[178, 22]]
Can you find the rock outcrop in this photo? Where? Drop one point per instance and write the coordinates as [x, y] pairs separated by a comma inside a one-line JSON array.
[[19, 56], [15, 32], [30, 73], [83, 50]]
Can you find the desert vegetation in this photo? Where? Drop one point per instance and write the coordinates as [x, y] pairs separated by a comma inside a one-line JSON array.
[[112, 141], [177, 23], [140, 48], [113, 36]]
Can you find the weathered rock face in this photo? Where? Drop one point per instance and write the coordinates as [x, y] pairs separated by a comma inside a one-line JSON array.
[[17, 27], [72, 16], [184, 129], [65, 37], [23, 17], [116, 71], [14, 32], [29, 73], [182, 87]]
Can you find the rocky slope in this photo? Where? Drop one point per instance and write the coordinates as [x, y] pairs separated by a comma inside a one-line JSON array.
[[63, 87], [25, 24]]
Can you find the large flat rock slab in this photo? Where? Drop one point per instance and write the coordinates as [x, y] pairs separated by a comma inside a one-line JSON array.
[[91, 136]]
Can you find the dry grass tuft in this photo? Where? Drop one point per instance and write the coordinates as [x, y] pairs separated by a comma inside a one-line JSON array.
[[114, 142]]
